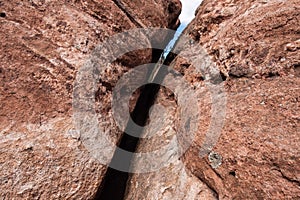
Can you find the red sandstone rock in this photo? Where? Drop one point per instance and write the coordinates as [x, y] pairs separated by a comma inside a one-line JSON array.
[[43, 45], [170, 179], [255, 44]]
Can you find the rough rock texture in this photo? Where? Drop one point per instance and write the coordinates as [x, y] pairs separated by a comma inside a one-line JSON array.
[[259, 144], [249, 38], [43, 45], [150, 17], [255, 44], [172, 181]]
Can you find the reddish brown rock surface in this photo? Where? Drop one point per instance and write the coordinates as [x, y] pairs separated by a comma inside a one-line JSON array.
[[255, 44], [43, 45], [249, 38], [173, 181]]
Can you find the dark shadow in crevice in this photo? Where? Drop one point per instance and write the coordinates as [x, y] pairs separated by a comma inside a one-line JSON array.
[[113, 186]]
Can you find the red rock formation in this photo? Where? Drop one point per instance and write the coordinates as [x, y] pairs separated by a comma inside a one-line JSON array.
[[255, 44], [43, 45]]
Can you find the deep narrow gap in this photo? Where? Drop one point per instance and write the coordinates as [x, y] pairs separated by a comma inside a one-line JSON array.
[[114, 184]]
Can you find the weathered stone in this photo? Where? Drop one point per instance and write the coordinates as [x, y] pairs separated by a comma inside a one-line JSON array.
[[259, 140], [248, 39], [170, 179], [255, 46], [43, 45]]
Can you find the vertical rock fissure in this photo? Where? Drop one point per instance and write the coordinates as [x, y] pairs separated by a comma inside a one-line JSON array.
[[126, 12], [114, 184]]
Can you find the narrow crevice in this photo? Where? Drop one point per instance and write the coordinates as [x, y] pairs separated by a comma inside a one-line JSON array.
[[294, 181], [289, 179], [114, 184], [125, 11], [211, 188]]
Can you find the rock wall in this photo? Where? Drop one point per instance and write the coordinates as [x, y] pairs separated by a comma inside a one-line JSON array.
[[249, 39], [43, 45], [255, 44], [171, 180]]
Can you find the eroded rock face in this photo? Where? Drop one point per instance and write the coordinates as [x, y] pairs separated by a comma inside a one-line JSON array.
[[249, 39], [255, 44], [43, 45], [170, 179], [256, 155]]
